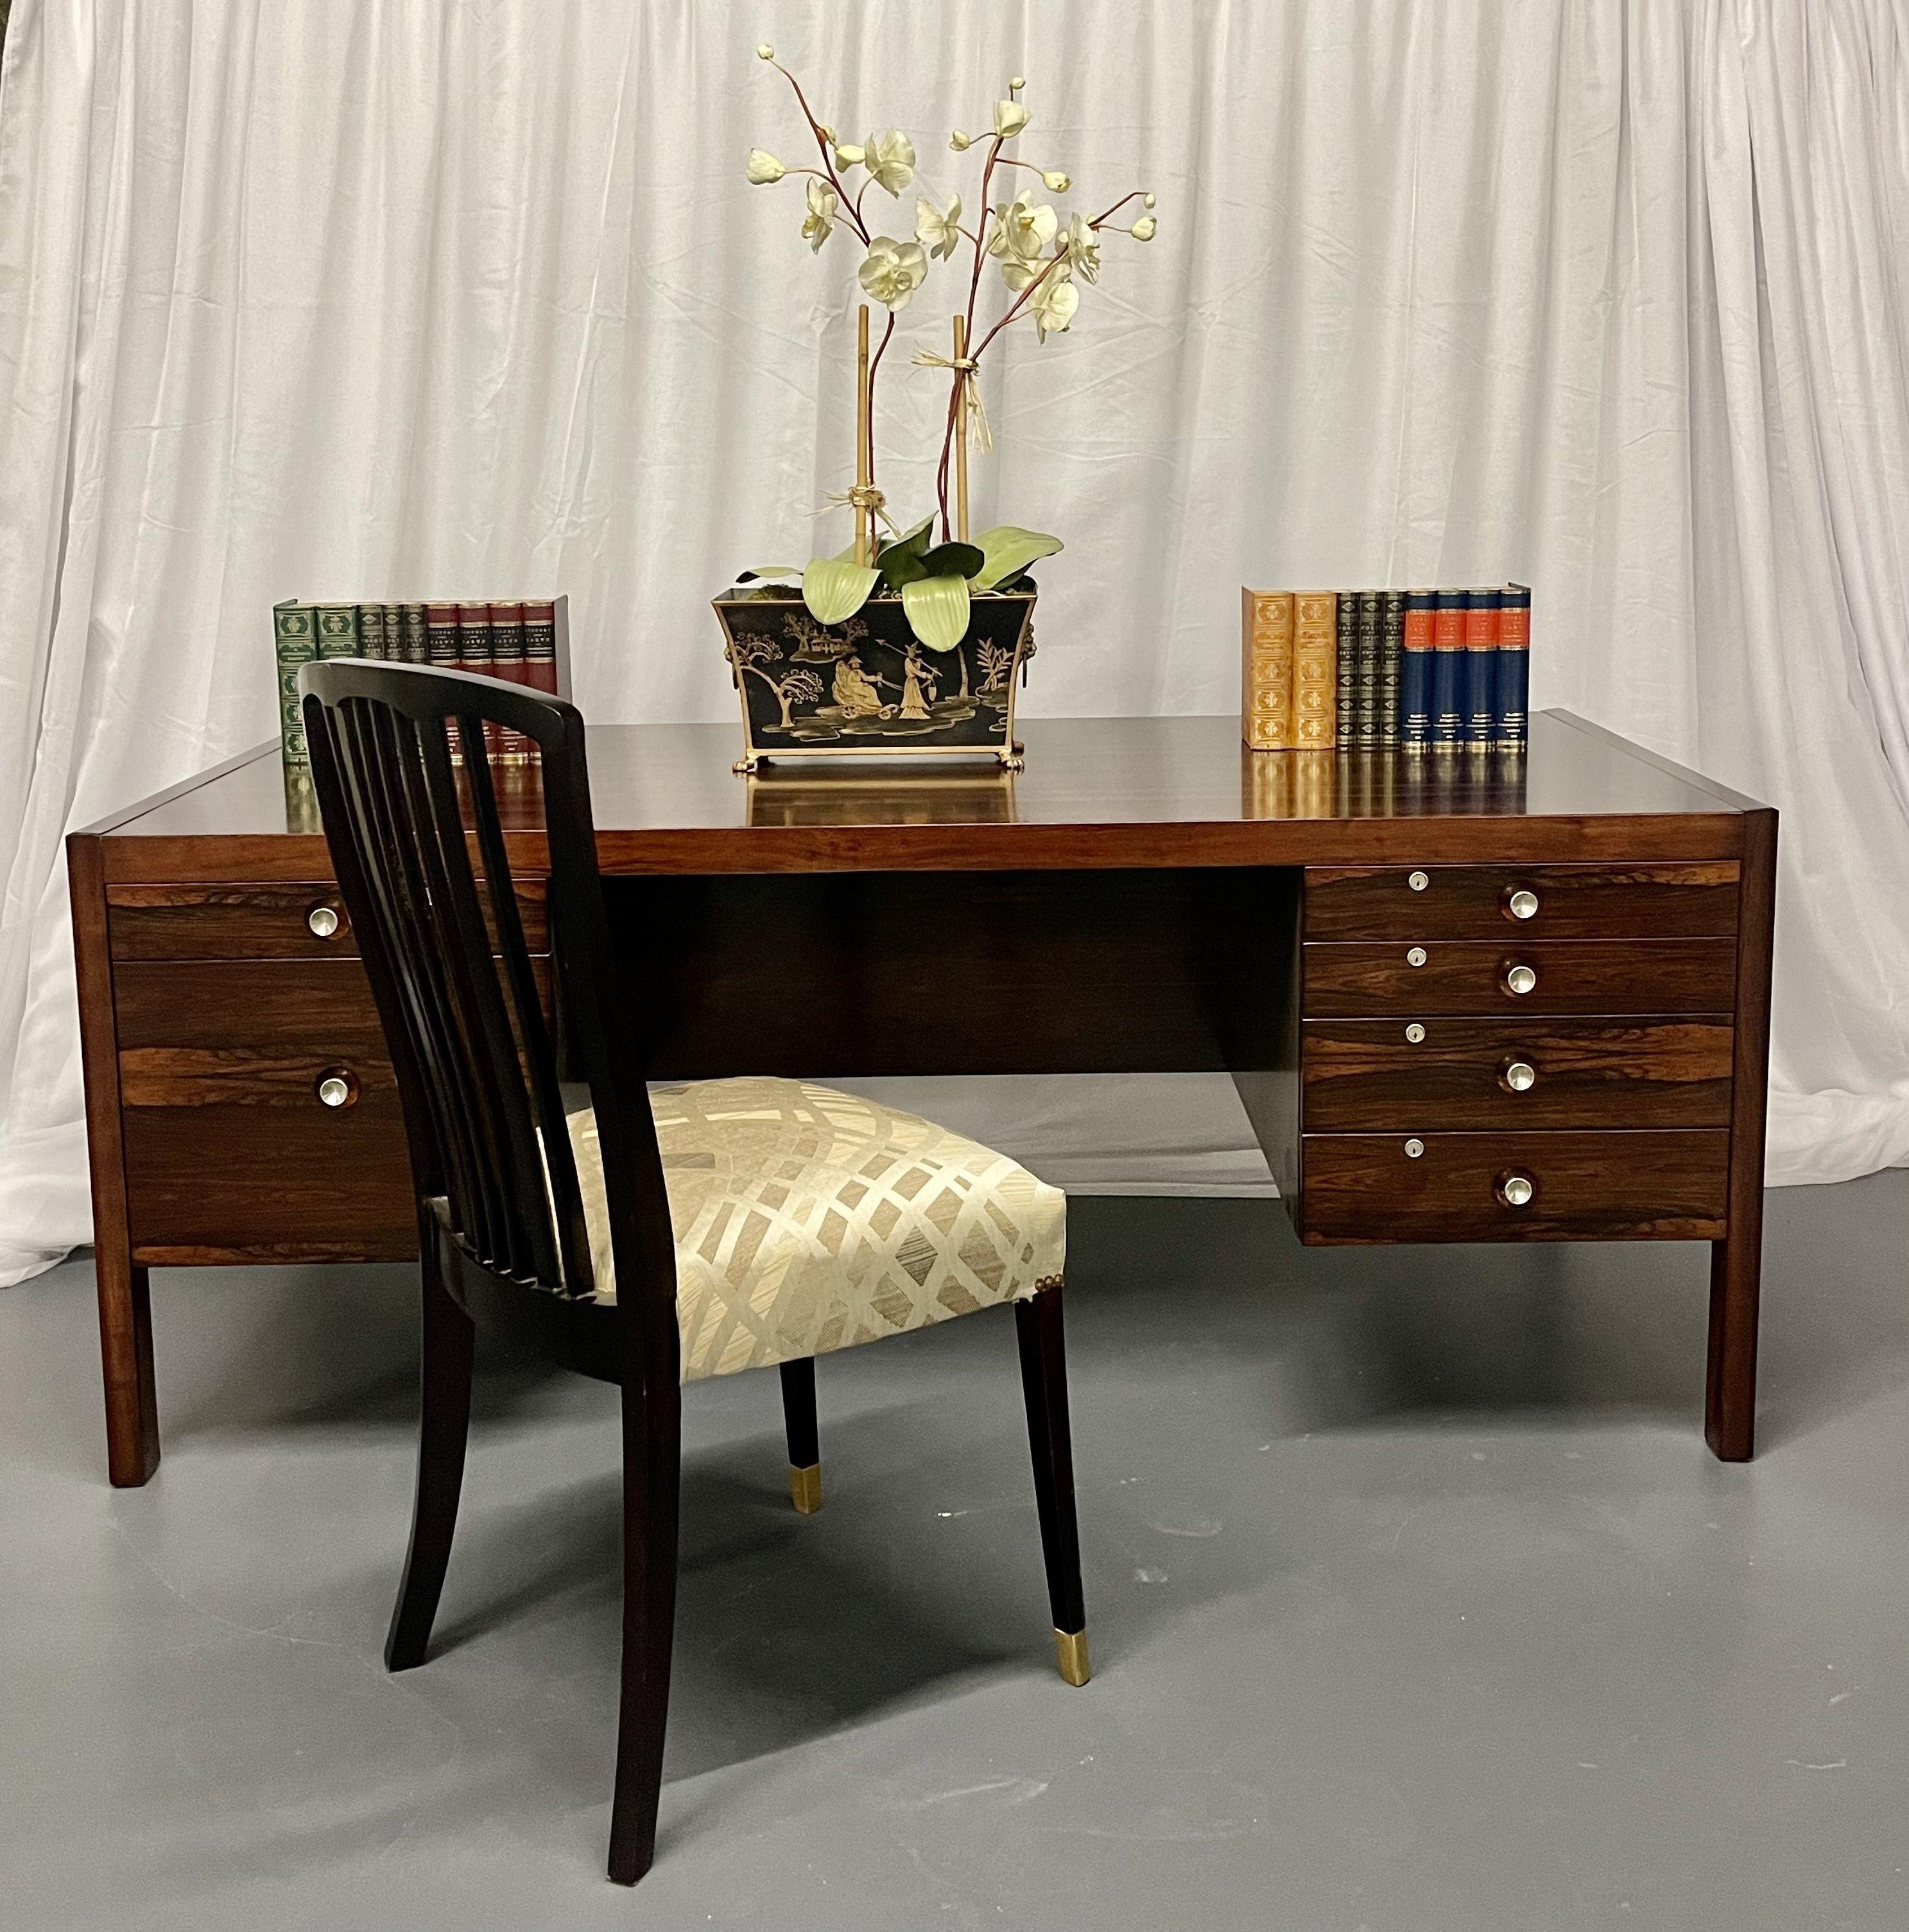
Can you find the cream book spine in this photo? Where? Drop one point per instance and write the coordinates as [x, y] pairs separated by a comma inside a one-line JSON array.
[[1315, 669], [1266, 656]]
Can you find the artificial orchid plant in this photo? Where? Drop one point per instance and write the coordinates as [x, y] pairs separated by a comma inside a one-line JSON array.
[[1043, 265]]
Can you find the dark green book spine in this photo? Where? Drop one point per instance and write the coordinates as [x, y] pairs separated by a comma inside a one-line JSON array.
[[1365, 672], [417, 638], [295, 633], [1346, 729], [1391, 647], [337, 632], [372, 642]]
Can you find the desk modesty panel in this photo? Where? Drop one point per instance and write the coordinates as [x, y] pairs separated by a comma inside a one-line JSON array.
[[1469, 998]]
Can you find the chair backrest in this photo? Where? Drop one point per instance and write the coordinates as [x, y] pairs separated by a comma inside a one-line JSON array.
[[477, 1070]]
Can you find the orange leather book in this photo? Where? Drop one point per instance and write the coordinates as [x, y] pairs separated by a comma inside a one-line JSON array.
[[1266, 660]]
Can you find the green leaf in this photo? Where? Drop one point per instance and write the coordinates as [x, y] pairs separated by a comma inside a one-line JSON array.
[[953, 560], [914, 539], [900, 565], [937, 608], [834, 589], [768, 570], [1009, 551]]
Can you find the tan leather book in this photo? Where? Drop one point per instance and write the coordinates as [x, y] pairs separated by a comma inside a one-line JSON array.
[[1315, 669], [1266, 661]]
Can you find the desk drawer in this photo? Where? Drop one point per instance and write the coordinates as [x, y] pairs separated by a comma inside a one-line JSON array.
[[1570, 975], [1365, 1074], [1685, 902], [264, 921], [1369, 1188]]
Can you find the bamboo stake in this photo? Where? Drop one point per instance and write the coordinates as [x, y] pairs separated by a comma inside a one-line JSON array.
[[864, 453], [964, 377]]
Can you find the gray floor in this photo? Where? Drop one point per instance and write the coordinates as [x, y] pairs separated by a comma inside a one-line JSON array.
[[1416, 1604]]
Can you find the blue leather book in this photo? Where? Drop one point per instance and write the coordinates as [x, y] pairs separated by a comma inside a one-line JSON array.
[[1512, 693], [1481, 731], [1447, 662], [1415, 672]]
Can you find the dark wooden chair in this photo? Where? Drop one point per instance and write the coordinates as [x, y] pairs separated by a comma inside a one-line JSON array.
[[544, 1209]]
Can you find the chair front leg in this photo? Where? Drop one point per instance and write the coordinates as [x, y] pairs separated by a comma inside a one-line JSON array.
[[804, 1434], [1044, 1384], [448, 1347], [652, 1460]]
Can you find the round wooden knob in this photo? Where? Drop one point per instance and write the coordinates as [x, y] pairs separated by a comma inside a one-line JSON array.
[[1416, 957], [1414, 1034], [1516, 1190], [1520, 978], [1521, 1076], [1414, 1148], [322, 920], [1523, 904], [1418, 881], [336, 1087]]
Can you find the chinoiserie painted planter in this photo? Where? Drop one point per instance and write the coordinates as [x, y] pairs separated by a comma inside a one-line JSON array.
[[868, 688]]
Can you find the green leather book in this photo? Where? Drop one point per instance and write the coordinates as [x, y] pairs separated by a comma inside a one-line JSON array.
[[295, 632], [337, 632], [416, 638], [372, 642]]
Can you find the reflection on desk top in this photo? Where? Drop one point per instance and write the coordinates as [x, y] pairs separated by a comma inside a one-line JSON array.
[[1115, 791]]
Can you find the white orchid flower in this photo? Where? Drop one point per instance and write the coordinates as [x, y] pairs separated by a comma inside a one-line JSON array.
[[892, 271], [1144, 229], [819, 223], [1010, 117], [1023, 228], [764, 168], [1053, 304], [937, 230], [1083, 247], [889, 157], [848, 155]]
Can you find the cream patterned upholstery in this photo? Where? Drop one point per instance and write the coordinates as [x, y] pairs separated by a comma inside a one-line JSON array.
[[807, 1220]]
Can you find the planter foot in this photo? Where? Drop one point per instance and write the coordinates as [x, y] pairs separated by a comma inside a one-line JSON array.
[[742, 767]]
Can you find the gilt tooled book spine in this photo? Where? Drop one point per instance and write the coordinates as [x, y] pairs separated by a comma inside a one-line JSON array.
[[540, 654], [1346, 729], [337, 632], [1391, 646], [1366, 671], [474, 655], [1315, 653], [1481, 664], [507, 657], [295, 635], [1266, 669], [415, 634], [1448, 661], [1415, 673], [441, 636], [373, 638], [1512, 684]]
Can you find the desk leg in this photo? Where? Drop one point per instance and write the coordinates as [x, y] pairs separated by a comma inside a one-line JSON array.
[[1729, 1402], [132, 1409], [132, 1403]]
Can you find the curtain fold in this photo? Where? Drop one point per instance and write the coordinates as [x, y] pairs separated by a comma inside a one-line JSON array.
[[356, 298]]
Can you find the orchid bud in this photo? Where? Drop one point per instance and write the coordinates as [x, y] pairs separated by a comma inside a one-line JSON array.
[[1144, 229], [764, 168], [765, 52], [959, 141], [1146, 201], [1057, 183]]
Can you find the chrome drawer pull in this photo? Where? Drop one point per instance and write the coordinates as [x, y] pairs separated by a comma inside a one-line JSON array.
[[1516, 1190], [1520, 978], [323, 921], [1418, 881], [1416, 957], [1521, 1076], [1414, 1148], [1414, 1034], [336, 1087], [1523, 904]]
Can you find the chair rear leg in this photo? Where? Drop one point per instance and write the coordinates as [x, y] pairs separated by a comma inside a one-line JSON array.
[[1044, 1384], [653, 1458], [805, 1439], [448, 1344]]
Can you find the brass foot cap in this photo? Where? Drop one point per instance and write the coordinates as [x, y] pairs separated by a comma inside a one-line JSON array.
[[805, 1488], [1070, 1653]]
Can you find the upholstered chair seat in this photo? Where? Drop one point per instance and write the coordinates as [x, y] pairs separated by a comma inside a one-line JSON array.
[[807, 1220]]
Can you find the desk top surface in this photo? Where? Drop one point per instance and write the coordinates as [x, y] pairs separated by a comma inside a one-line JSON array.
[[1097, 792]]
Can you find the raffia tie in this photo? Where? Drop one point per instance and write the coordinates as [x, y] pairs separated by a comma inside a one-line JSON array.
[[972, 407], [858, 497]]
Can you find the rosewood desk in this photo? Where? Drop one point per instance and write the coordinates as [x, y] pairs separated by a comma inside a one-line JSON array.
[[1462, 999]]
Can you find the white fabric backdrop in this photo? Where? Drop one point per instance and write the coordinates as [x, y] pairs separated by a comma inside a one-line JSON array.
[[364, 297]]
